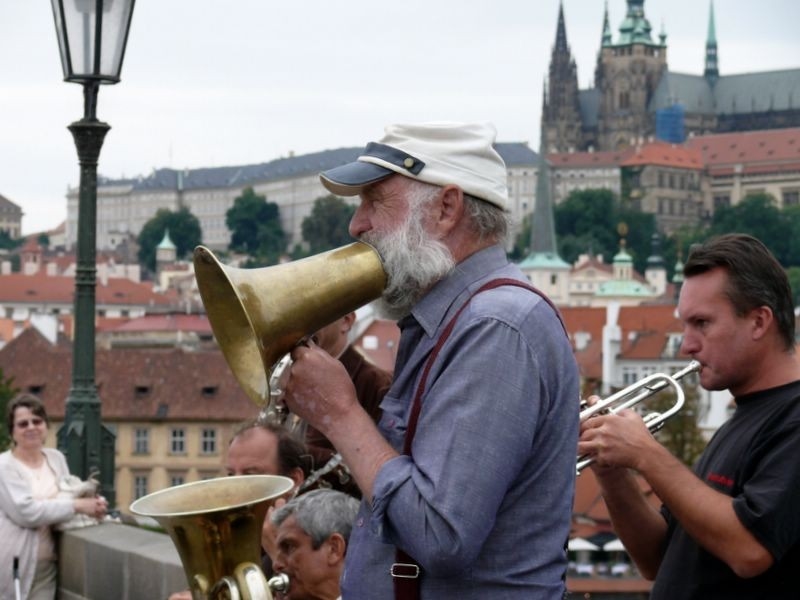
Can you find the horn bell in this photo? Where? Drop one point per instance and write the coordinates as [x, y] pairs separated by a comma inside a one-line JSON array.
[[216, 525], [258, 315]]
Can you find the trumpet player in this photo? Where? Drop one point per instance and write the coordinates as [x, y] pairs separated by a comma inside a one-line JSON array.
[[729, 529], [468, 479]]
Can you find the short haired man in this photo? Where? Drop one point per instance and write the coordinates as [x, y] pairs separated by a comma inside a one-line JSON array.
[[730, 529], [312, 534], [469, 477]]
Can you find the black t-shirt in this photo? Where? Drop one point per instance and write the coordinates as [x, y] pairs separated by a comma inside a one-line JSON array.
[[755, 459]]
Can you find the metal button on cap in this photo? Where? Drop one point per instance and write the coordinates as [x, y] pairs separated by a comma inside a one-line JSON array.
[[408, 162]]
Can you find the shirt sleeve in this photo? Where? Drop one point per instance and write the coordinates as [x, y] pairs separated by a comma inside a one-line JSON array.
[[767, 506], [475, 432], [17, 502]]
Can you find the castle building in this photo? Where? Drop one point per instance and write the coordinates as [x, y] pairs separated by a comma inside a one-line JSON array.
[[636, 97], [125, 206]]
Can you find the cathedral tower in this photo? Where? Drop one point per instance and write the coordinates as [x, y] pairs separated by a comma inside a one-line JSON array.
[[561, 117], [627, 74]]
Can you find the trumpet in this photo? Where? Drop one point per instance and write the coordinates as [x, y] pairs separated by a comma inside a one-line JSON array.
[[633, 395]]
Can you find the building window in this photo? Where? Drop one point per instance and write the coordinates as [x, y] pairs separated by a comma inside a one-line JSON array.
[[629, 375], [177, 441], [722, 201], [553, 279], [177, 479], [139, 486], [208, 441], [791, 198], [141, 440]]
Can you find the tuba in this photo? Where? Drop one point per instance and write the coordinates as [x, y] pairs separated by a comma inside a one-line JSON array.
[[259, 315], [216, 525]]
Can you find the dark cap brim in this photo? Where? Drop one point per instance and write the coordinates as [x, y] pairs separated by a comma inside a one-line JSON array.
[[350, 179]]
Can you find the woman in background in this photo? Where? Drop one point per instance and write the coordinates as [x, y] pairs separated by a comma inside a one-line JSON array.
[[29, 476]]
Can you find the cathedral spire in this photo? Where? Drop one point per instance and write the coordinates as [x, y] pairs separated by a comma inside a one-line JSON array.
[[606, 39], [543, 231], [711, 72], [561, 32]]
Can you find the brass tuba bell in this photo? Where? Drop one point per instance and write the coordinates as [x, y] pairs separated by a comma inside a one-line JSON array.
[[259, 315], [216, 525]]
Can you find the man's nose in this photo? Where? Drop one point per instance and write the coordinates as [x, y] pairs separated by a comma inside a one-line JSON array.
[[689, 345], [359, 224]]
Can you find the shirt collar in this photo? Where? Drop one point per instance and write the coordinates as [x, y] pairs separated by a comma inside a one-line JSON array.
[[434, 306]]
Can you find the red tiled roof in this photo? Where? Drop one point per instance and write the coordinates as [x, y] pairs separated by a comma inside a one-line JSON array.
[[39, 288], [651, 324], [133, 384], [665, 155], [756, 151], [588, 159], [169, 322]]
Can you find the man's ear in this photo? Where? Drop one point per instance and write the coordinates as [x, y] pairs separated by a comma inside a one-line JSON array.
[[338, 547], [762, 318], [296, 475], [450, 209]]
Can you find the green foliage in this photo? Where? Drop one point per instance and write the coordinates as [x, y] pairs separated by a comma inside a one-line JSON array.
[[43, 240], [327, 227], [7, 392], [588, 220], [7, 243], [794, 280], [680, 434], [184, 231], [256, 230]]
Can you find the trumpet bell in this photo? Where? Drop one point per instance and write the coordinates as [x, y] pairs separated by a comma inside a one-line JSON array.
[[216, 527], [258, 315]]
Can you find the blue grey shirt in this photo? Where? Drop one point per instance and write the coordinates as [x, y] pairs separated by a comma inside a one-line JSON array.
[[484, 503]]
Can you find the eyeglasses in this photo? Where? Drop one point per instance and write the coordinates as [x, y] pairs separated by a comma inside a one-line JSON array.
[[35, 422]]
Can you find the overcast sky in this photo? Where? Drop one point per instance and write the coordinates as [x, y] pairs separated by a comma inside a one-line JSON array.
[[228, 82]]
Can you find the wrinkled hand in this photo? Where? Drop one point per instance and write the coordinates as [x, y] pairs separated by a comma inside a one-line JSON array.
[[319, 389], [615, 440]]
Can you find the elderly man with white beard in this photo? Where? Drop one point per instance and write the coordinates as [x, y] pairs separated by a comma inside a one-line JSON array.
[[468, 479]]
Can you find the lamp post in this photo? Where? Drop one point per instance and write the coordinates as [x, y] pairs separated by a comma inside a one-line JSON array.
[[92, 35]]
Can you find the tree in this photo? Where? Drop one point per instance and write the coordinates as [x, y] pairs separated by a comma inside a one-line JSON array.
[[588, 220], [327, 226], [256, 230], [184, 231], [794, 280], [759, 216], [7, 242], [680, 434], [7, 392]]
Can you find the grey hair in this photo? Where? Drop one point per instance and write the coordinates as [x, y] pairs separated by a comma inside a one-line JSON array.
[[488, 221], [320, 513]]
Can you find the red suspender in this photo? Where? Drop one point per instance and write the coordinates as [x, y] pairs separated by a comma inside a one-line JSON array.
[[405, 570]]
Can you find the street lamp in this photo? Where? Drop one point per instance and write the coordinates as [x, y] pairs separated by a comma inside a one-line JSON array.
[[91, 39]]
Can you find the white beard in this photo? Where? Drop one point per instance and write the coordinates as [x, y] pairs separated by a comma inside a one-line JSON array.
[[413, 261]]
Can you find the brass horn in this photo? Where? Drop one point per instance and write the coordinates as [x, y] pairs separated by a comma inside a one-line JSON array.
[[636, 393], [259, 315], [216, 525]]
